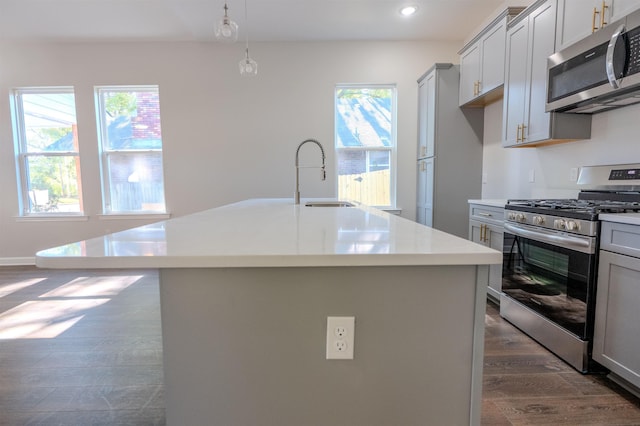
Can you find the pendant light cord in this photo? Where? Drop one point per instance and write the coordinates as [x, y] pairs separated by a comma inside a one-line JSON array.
[[246, 23]]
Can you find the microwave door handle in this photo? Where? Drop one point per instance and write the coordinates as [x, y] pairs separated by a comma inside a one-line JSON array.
[[610, 66]]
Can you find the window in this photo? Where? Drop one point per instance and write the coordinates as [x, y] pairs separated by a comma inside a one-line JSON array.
[[365, 140], [131, 149], [46, 144]]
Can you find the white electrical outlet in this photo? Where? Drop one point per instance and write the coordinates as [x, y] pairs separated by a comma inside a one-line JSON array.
[[340, 337]]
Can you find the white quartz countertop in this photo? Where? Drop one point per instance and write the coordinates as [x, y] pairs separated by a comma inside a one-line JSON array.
[[272, 233], [489, 202], [629, 218]]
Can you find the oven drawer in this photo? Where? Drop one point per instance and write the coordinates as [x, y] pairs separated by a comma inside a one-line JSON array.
[[620, 238]]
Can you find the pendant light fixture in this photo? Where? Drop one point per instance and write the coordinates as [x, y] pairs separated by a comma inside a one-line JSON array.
[[226, 30], [248, 67]]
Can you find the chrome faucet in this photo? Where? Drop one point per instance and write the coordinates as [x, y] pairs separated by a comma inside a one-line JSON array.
[[323, 173]]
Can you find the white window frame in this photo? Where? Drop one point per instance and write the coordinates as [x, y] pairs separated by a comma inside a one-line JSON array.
[[393, 135], [22, 155], [106, 152]]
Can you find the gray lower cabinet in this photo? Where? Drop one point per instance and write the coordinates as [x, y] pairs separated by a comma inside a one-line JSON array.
[[616, 343], [485, 227]]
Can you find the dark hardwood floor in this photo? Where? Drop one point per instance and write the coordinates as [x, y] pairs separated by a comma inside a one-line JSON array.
[[80, 348], [524, 384], [85, 348]]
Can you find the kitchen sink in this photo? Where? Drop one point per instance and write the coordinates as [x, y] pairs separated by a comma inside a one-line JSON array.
[[329, 204]]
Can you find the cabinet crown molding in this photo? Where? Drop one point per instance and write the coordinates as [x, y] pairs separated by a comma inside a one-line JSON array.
[[436, 66], [524, 13], [509, 12]]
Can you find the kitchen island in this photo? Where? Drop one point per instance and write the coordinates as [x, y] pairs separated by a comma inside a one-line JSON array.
[[246, 290]]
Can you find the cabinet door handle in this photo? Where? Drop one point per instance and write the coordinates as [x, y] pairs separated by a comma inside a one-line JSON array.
[[475, 88], [479, 87], [602, 18], [522, 138], [518, 132], [484, 234], [485, 214], [593, 20]]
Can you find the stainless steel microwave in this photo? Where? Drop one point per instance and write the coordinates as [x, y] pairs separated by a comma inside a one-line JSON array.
[[598, 73]]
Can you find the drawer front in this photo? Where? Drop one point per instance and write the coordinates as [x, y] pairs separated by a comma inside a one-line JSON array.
[[487, 214], [621, 238]]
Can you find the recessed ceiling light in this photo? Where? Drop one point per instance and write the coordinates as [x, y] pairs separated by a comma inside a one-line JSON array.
[[408, 10]]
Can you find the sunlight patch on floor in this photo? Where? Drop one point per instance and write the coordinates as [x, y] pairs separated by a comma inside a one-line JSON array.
[[93, 287], [7, 289], [59, 309], [44, 319]]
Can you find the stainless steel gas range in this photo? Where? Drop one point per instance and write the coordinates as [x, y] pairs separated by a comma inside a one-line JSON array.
[[550, 260]]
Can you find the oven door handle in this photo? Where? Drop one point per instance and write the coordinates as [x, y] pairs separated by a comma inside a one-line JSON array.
[[584, 245]]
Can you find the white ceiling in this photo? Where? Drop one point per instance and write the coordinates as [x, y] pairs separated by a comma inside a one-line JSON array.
[[270, 20]]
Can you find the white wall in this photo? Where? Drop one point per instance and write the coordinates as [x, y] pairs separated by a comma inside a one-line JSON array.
[[615, 139], [226, 138]]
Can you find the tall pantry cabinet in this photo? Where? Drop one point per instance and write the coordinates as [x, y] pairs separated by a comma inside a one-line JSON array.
[[449, 164]]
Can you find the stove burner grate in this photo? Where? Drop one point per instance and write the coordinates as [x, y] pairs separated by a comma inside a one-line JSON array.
[[579, 205]]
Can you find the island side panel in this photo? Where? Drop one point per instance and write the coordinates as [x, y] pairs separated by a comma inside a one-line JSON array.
[[245, 346]]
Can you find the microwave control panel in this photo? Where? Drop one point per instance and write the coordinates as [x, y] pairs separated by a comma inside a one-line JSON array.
[[633, 37], [624, 174]]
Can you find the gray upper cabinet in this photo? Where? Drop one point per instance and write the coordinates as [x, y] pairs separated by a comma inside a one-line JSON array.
[[482, 63], [426, 109], [620, 8], [530, 40], [469, 73], [516, 78], [579, 18]]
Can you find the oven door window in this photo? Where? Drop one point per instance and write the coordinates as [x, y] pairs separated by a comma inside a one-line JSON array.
[[551, 280]]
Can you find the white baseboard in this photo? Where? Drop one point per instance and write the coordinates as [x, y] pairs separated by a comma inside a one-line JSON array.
[[17, 261]]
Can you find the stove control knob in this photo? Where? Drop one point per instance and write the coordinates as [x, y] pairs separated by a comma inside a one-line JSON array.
[[538, 220], [512, 216], [559, 224], [573, 226], [520, 217]]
